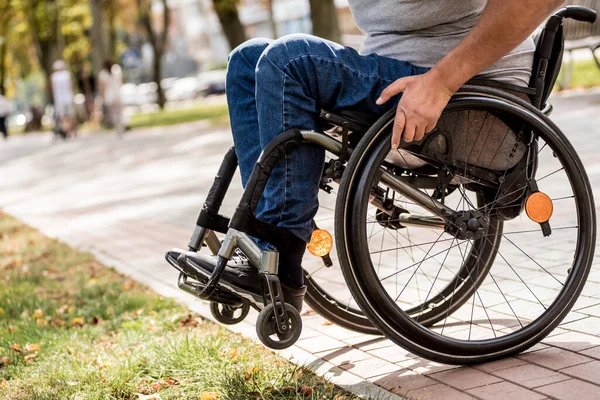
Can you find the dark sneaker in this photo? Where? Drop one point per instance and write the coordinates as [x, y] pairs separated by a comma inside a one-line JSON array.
[[240, 276]]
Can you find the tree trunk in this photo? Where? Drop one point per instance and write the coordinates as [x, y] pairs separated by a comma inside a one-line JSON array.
[[3, 68], [230, 22], [323, 15], [97, 31], [272, 21], [157, 76]]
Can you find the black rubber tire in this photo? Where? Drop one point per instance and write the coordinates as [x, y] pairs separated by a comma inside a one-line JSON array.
[[219, 311], [266, 326], [396, 324]]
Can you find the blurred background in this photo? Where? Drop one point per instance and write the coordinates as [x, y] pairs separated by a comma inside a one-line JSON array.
[[171, 55]]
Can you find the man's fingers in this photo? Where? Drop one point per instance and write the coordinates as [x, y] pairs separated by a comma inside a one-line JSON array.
[[399, 123], [395, 88], [419, 132], [409, 131]]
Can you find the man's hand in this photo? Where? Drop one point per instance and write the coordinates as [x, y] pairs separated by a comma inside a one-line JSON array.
[[423, 100]]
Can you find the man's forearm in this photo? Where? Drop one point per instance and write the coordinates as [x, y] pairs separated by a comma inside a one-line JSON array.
[[503, 26]]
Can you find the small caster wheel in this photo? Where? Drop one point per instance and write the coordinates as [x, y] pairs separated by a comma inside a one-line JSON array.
[[227, 314], [266, 327]]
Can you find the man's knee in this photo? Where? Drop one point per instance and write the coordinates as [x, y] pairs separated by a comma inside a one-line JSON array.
[[248, 52], [287, 48]]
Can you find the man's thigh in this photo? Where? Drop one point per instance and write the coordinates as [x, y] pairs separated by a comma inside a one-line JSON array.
[[327, 74]]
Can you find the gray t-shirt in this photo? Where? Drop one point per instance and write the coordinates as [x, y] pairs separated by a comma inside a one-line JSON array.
[[422, 32]]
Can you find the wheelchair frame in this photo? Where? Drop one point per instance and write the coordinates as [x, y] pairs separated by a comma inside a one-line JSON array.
[[244, 224]]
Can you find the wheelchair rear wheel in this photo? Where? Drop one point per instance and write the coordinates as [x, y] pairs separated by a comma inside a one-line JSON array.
[[527, 281]]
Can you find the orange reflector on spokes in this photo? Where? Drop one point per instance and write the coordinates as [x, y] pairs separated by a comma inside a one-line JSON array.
[[539, 207], [320, 243]]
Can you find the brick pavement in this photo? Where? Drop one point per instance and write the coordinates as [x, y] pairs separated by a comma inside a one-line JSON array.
[[130, 200]]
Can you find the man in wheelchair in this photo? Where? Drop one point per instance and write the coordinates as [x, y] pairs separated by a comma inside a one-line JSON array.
[[417, 54]]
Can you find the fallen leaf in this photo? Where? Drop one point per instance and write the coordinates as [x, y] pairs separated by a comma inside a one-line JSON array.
[[288, 389], [30, 348], [70, 350], [16, 347], [306, 390], [4, 361], [78, 321], [41, 322], [156, 386], [190, 320], [250, 372], [128, 285], [57, 322], [327, 323], [234, 354], [97, 321], [30, 357], [308, 312], [62, 309], [209, 396], [170, 382], [4, 384], [38, 313]]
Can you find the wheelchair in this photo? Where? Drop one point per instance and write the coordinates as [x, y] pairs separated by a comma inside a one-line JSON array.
[[468, 246]]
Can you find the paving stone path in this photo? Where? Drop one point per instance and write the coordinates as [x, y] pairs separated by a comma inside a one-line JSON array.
[[129, 200]]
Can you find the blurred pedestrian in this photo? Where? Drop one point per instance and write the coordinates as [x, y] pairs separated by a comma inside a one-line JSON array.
[[110, 80], [62, 92], [4, 111]]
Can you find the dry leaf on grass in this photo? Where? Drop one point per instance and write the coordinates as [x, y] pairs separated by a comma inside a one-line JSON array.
[[30, 348], [128, 285], [4, 361], [57, 322], [190, 320], [78, 321], [30, 357], [156, 386], [209, 396], [307, 391], [251, 372], [38, 314], [16, 347], [62, 309], [234, 354], [4, 384]]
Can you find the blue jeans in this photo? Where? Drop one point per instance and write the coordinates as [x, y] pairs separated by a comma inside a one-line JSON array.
[[273, 86]]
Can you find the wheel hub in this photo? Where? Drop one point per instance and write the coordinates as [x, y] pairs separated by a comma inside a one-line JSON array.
[[468, 225]]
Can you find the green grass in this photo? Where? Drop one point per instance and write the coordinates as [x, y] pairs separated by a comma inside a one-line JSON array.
[[71, 328], [586, 74], [217, 114]]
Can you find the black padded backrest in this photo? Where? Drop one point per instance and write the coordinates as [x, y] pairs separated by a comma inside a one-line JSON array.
[[554, 65]]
